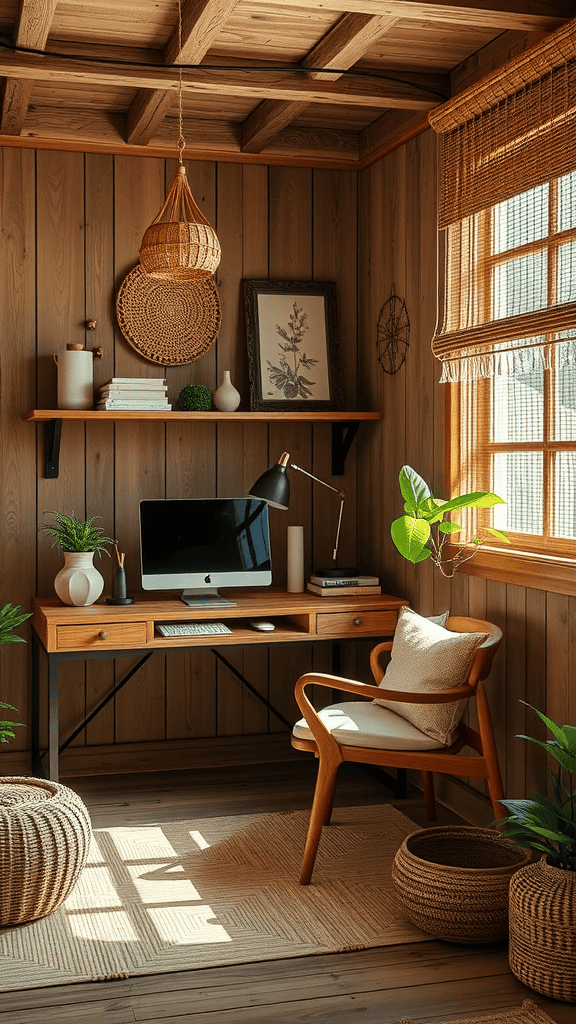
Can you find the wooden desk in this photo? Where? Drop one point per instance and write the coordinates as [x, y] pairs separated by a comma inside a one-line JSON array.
[[67, 633]]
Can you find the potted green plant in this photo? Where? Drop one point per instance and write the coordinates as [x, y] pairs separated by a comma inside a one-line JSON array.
[[11, 617], [427, 524], [542, 908], [78, 582]]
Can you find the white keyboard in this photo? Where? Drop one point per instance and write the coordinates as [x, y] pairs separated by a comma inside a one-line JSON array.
[[191, 628]]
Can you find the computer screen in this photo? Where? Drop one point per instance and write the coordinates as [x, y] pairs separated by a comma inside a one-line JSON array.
[[199, 544]]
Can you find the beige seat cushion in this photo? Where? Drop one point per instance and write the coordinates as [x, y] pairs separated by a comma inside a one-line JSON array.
[[364, 724], [425, 658]]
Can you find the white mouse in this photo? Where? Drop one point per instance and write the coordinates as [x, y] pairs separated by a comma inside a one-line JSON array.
[[262, 625]]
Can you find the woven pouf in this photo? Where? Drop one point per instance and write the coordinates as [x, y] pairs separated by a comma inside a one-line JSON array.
[[453, 882], [542, 949], [44, 839]]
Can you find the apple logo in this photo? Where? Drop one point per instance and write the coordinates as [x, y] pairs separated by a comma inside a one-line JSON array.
[[207, 579]]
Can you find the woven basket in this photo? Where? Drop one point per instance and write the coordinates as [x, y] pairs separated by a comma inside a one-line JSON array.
[[542, 949], [44, 840], [453, 882], [180, 244]]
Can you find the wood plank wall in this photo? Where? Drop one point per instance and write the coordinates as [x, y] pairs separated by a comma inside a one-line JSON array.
[[537, 661], [71, 229]]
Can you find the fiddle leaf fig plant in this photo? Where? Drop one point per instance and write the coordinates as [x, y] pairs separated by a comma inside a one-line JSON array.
[[72, 534], [423, 530], [548, 826], [11, 617]]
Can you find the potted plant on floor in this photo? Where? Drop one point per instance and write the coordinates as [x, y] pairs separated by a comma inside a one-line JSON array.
[[78, 582], [542, 907], [423, 531], [11, 617]]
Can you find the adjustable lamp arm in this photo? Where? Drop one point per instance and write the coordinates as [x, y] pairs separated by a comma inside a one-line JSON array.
[[341, 494]]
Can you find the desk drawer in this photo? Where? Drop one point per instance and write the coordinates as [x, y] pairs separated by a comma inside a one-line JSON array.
[[111, 634], [373, 623]]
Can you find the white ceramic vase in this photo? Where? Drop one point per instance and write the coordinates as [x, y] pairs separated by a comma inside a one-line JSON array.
[[226, 398], [79, 582]]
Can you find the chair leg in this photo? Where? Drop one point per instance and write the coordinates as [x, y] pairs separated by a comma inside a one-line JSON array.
[[319, 816], [428, 790], [490, 752]]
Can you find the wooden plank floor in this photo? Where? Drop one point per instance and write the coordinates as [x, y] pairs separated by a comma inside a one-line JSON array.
[[429, 982]]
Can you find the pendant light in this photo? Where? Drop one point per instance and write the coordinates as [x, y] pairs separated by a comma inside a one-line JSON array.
[[180, 244]]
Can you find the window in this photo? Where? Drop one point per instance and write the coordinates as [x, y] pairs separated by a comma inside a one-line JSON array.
[[517, 429], [506, 333]]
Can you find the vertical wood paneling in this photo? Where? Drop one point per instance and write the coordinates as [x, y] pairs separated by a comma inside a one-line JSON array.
[[290, 258], [17, 390], [140, 446], [99, 257], [256, 456], [60, 304], [72, 227]]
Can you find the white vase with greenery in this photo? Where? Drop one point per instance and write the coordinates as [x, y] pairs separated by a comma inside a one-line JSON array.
[[79, 582]]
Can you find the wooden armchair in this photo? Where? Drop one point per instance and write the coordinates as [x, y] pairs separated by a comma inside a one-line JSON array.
[[367, 733]]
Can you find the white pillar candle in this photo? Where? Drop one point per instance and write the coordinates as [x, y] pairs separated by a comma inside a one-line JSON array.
[[295, 559]]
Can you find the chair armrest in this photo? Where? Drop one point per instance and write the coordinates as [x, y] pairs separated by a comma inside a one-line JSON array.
[[375, 665]]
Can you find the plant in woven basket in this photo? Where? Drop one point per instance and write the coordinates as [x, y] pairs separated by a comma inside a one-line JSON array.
[[543, 824], [11, 617], [72, 534], [423, 531], [195, 397]]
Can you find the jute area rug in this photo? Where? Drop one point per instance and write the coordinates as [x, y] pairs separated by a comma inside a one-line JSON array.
[[528, 1013], [215, 891]]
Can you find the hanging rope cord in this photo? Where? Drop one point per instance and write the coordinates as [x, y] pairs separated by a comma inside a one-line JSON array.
[[181, 139]]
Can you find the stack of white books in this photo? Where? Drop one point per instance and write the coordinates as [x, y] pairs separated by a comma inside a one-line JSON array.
[[133, 393]]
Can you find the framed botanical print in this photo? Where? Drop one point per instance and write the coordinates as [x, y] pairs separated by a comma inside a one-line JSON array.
[[292, 345]]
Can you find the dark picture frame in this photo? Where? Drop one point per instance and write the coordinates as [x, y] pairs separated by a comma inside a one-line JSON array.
[[293, 351]]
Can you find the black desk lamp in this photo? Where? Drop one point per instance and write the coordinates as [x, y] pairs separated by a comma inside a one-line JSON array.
[[274, 487]]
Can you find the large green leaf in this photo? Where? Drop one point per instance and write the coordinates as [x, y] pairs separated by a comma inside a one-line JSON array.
[[413, 488], [476, 499], [450, 527], [410, 537], [559, 753]]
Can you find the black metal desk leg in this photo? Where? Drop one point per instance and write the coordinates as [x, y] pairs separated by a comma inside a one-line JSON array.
[[35, 706], [53, 717]]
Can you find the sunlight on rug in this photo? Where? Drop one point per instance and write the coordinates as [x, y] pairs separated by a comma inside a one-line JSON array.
[[214, 891], [528, 1013]]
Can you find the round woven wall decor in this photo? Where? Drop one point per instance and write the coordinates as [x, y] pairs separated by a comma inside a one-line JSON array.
[[168, 322]]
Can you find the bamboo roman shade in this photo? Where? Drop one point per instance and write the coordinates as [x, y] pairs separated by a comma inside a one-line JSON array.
[[507, 215]]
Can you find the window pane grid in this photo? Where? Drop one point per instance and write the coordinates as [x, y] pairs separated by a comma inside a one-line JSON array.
[[518, 429]]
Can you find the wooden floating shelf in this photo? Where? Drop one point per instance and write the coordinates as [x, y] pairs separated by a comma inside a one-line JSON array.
[[42, 415], [344, 425]]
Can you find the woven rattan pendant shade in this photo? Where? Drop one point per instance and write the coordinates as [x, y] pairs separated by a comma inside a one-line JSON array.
[[180, 244]]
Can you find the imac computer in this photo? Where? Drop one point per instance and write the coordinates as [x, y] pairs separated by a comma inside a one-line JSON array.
[[199, 544]]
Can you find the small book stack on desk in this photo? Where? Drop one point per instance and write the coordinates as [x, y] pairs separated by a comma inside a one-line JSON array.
[[137, 393], [332, 587]]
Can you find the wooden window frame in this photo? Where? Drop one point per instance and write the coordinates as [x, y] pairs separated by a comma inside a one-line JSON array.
[[526, 562]]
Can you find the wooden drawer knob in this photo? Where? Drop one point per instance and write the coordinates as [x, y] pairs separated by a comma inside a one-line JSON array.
[[358, 621], [103, 634]]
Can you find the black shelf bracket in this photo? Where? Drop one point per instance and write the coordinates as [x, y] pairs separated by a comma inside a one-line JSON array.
[[52, 435], [343, 434]]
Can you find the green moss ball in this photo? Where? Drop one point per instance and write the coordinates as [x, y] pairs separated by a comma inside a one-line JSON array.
[[195, 397]]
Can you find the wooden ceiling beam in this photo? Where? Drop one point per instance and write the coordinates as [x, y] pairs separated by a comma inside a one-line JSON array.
[[202, 21], [381, 90], [34, 23], [350, 38], [542, 15]]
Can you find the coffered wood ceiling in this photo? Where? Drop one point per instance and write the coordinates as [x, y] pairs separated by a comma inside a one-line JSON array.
[[317, 82]]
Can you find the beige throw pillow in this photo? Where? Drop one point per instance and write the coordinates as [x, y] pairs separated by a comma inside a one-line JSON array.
[[426, 657]]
